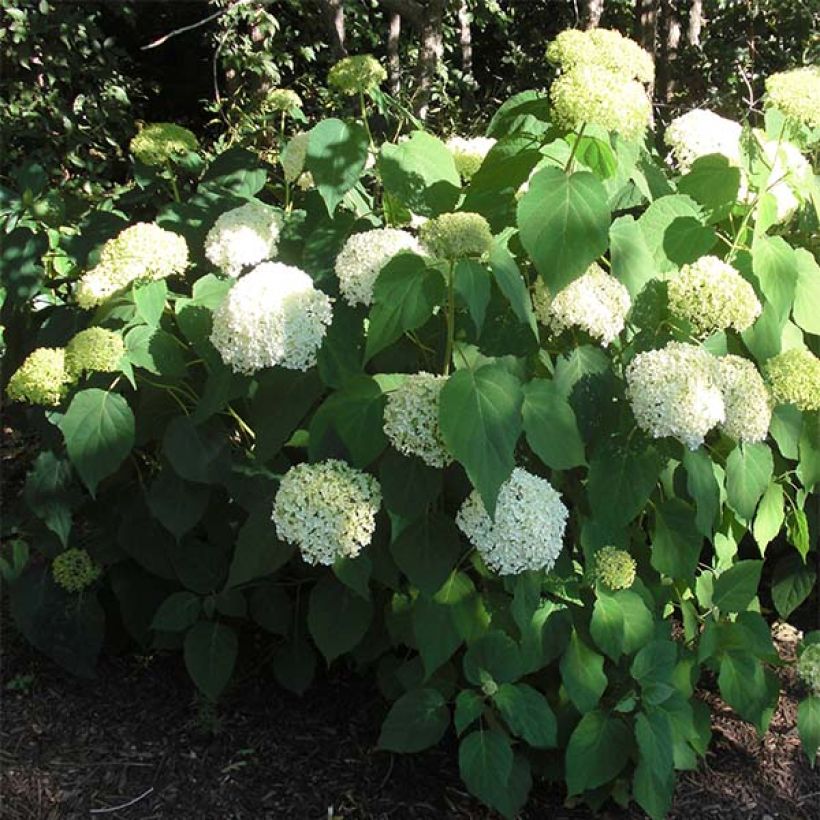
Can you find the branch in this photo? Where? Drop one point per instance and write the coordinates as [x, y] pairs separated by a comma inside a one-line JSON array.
[[411, 10], [175, 32]]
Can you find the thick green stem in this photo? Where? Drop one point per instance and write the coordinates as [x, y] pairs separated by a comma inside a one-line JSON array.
[[568, 166], [451, 319], [174, 186]]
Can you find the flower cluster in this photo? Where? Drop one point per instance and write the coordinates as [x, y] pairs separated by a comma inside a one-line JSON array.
[[602, 47], [142, 252], [711, 295], [794, 378], [272, 316], [94, 350], [243, 236], [364, 255], [42, 378], [457, 235], [355, 75], [796, 94], [808, 667], [674, 392], [468, 154], [292, 158], [589, 94], [282, 100], [411, 419], [699, 133], [529, 525], [327, 509], [614, 568], [595, 302], [162, 142], [74, 570], [746, 399]]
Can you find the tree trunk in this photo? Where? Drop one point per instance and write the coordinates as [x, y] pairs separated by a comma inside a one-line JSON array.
[[334, 14], [669, 40], [695, 22], [430, 53], [592, 12], [393, 59], [646, 21], [466, 41]]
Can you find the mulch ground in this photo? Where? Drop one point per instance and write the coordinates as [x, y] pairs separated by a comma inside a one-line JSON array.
[[71, 748]]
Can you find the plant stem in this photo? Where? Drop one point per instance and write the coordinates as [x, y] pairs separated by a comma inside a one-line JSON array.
[[451, 319], [174, 186], [568, 166], [366, 123]]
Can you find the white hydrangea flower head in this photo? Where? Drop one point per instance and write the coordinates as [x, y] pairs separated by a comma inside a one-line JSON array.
[[362, 258], [699, 133], [794, 378], [468, 154], [674, 392], [747, 401], [271, 316], [327, 509], [602, 47], [528, 531], [457, 235], [411, 419], [711, 295], [143, 252], [797, 94], [292, 159], [42, 378], [595, 302], [808, 667], [590, 94], [94, 350], [789, 168], [243, 236]]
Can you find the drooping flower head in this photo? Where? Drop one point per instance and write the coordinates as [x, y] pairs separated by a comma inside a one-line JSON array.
[[614, 568], [141, 253], [282, 100], [794, 378], [711, 295], [243, 236], [797, 94], [162, 142], [360, 73], [456, 236], [362, 258], [808, 667], [674, 392], [700, 132], [468, 154], [595, 302], [292, 158], [529, 525], [327, 509], [411, 419], [602, 47], [271, 316], [74, 570], [94, 350], [42, 378], [746, 399], [591, 94]]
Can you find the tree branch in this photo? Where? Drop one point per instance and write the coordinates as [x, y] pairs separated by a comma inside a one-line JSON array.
[[410, 10]]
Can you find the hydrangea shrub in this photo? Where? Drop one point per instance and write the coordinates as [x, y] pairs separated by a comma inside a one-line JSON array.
[[528, 426]]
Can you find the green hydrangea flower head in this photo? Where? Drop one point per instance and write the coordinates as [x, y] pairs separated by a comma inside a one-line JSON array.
[[456, 236], [42, 378], [614, 568], [591, 94], [282, 99], [794, 378], [358, 74], [797, 94], [94, 350], [74, 570], [162, 142], [602, 47], [808, 667]]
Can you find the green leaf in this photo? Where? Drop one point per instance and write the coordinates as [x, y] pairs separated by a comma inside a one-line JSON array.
[[511, 283], [51, 494], [480, 418], [485, 761], [735, 588], [177, 612], [770, 516], [607, 625], [749, 470], [654, 781], [194, 452], [807, 292], [270, 607], [582, 672], [336, 156], [154, 350], [472, 283], [434, 628], [495, 654], [564, 224], [469, 707], [632, 261], [355, 573], [528, 714], [747, 688], [294, 665], [150, 301], [597, 751], [177, 504], [210, 655], [775, 265], [98, 428], [654, 668], [421, 173], [808, 468], [550, 426], [408, 485], [237, 171], [792, 583], [638, 622], [676, 542], [337, 617], [258, 551], [416, 721], [797, 530], [808, 726], [581, 361], [404, 297], [668, 225], [427, 551], [713, 183], [702, 486]]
